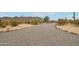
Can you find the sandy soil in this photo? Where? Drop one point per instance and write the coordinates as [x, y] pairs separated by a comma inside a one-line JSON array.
[[70, 28], [20, 26]]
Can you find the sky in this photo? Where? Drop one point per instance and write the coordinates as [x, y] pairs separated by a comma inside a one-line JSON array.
[[52, 15]]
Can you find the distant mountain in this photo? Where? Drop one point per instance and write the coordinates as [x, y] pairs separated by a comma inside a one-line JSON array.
[[21, 18]]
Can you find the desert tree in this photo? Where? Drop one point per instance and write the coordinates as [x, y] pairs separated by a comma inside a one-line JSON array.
[[46, 19]]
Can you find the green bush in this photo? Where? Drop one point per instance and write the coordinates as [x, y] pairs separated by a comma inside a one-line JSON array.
[[62, 21], [46, 19]]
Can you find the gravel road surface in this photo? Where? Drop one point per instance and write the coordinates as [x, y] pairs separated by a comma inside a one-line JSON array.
[[39, 35]]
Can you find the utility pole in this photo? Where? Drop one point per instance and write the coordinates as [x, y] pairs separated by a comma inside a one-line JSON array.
[[74, 16], [65, 18]]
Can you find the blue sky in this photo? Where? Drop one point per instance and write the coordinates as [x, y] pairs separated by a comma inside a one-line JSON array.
[[52, 15]]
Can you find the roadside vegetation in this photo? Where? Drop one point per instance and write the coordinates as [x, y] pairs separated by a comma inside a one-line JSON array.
[[62, 21], [14, 21], [67, 21], [46, 19]]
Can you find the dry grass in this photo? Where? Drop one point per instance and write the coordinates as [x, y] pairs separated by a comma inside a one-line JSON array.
[[70, 28]]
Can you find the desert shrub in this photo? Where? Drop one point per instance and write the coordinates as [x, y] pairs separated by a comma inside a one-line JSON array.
[[76, 22], [7, 22], [34, 22], [62, 21], [14, 23], [71, 21], [3, 24], [40, 21], [0, 23], [27, 22]]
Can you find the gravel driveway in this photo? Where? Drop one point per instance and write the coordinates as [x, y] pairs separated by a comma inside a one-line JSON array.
[[39, 35]]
